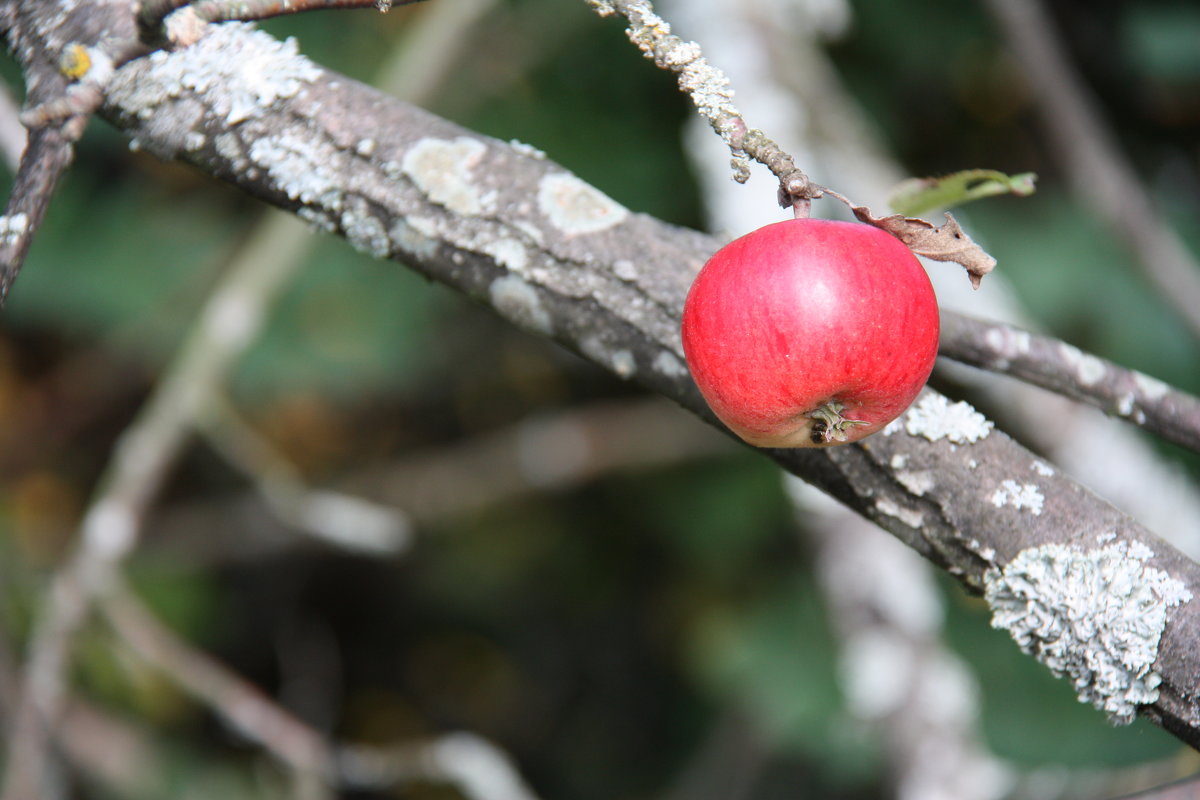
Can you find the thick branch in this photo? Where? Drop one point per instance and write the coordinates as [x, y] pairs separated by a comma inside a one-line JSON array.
[[504, 225]]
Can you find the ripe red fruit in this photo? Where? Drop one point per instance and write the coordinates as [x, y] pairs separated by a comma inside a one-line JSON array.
[[809, 332]]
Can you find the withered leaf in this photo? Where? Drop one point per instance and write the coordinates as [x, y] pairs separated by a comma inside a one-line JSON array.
[[946, 242]]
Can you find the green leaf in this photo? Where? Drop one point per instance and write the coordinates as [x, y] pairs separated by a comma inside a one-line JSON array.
[[917, 195]]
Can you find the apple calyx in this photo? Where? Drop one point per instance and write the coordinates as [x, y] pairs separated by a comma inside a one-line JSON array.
[[829, 425]]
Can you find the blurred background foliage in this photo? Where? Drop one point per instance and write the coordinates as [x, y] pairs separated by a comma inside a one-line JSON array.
[[600, 632]]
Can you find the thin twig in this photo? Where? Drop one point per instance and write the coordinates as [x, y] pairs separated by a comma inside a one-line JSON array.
[[155, 12], [544, 453], [478, 768], [226, 326], [1101, 175], [1064, 369], [242, 705], [47, 155], [343, 520], [143, 457], [225, 10], [713, 98]]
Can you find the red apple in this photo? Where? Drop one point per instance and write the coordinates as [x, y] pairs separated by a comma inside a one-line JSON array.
[[807, 333]]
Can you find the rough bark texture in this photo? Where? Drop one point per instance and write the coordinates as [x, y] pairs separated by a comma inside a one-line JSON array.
[[504, 225]]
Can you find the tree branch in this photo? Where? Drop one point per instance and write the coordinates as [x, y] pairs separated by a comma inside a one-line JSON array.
[[296, 745], [153, 13], [1062, 368], [506, 226], [47, 155]]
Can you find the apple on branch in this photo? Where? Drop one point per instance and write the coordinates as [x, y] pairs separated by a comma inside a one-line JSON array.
[[807, 333]]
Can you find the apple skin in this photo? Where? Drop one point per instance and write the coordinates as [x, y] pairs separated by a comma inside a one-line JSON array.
[[807, 333]]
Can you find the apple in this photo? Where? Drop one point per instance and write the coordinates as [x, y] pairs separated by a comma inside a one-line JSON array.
[[808, 332]]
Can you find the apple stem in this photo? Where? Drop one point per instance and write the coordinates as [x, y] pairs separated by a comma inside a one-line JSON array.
[[801, 207], [829, 425]]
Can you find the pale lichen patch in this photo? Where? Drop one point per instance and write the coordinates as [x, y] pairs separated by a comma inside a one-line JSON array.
[[624, 364], [620, 361], [917, 481], [625, 269], [934, 417], [1042, 468], [574, 207], [1020, 496], [533, 232], [442, 170], [300, 168], [1007, 343], [508, 253], [910, 517], [194, 140], [409, 239], [230, 148], [236, 70], [13, 227], [526, 149], [1150, 388], [1088, 369], [1093, 616], [318, 220], [518, 301], [365, 232], [668, 364], [1126, 404]]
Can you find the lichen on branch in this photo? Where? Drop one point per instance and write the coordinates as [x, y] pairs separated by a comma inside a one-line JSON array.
[[712, 95]]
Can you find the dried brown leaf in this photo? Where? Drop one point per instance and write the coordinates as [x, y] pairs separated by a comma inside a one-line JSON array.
[[946, 242]]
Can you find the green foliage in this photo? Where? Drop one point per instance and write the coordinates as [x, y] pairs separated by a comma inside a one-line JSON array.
[[126, 259], [916, 196], [348, 327], [1161, 41], [773, 656]]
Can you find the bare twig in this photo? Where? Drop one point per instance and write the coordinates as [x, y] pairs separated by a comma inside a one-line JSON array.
[[154, 12], [475, 766], [481, 770], [48, 153], [1101, 175], [713, 98], [1188, 789], [229, 322], [341, 519], [544, 453], [140, 463], [239, 703], [1062, 368]]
